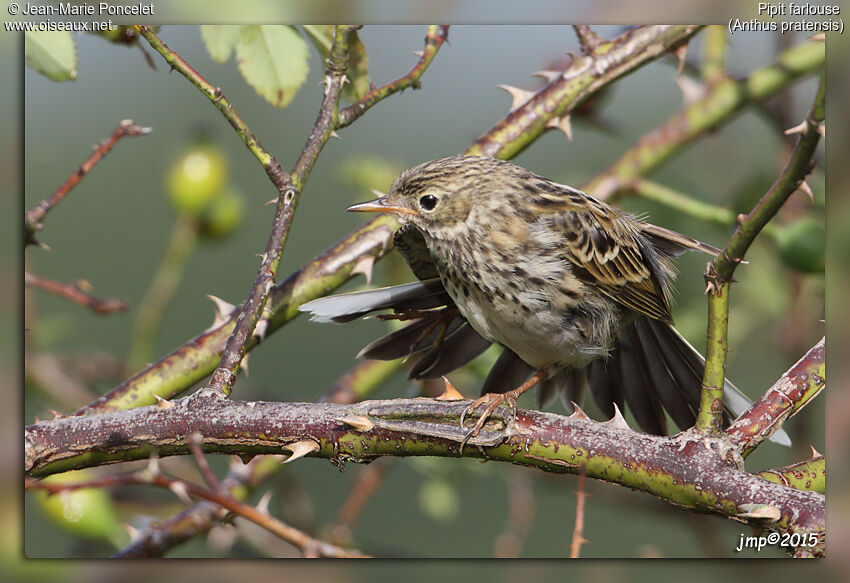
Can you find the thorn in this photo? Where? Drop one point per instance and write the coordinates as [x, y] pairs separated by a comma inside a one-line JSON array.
[[419, 54], [760, 511], [162, 403], [378, 193], [578, 413], [334, 135], [261, 329], [562, 123], [692, 90], [223, 310], [83, 285], [800, 128], [152, 469], [518, 96], [364, 265], [547, 76], [358, 422], [300, 449], [804, 188], [741, 218], [270, 202], [682, 52], [263, 504], [56, 414], [819, 37], [36, 420], [617, 420], [821, 128], [815, 453], [180, 490], [450, 393], [132, 531]]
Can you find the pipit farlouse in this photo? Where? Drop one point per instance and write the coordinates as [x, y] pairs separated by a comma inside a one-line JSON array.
[[577, 291]]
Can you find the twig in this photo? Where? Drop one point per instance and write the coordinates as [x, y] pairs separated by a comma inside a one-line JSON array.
[[719, 271], [289, 187], [76, 293], [34, 218], [162, 536], [794, 389], [287, 202], [578, 531], [299, 539], [195, 446], [789, 180], [434, 39]]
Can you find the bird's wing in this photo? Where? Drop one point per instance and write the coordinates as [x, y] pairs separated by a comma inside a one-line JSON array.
[[607, 250]]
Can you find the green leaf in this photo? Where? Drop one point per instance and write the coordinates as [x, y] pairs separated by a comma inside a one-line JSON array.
[[220, 39], [52, 54], [273, 60]]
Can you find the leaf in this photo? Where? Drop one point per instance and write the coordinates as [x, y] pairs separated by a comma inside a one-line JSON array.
[[53, 54], [273, 60], [220, 39]]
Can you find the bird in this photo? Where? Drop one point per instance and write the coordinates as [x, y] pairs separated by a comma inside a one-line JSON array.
[[578, 293]]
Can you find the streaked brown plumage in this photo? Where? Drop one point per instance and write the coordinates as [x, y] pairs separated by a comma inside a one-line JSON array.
[[575, 290]]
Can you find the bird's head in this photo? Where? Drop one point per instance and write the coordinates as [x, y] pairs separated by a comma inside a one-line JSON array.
[[438, 196]]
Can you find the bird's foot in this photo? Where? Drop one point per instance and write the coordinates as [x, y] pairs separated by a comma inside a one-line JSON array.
[[490, 401]]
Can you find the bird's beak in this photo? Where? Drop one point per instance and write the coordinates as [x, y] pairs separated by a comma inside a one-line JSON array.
[[379, 205]]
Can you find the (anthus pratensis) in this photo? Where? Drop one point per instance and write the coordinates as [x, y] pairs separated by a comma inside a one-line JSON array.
[[577, 291]]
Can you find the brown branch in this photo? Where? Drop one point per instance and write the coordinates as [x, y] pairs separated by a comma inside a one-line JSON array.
[[792, 176], [434, 39], [794, 389], [308, 545], [578, 531], [688, 473], [287, 202], [33, 219], [76, 292], [162, 536]]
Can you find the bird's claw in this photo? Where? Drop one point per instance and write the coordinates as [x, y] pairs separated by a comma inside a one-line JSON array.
[[492, 402]]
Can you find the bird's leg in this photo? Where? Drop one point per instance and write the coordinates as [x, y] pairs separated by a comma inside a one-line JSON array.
[[493, 400]]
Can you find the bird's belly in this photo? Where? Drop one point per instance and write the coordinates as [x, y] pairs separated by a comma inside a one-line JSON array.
[[541, 336]]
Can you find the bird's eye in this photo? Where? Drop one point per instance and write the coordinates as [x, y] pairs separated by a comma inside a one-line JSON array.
[[428, 202]]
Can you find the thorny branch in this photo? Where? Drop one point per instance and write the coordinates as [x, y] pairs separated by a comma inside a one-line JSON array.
[[35, 217], [688, 473], [76, 292], [308, 545], [719, 271]]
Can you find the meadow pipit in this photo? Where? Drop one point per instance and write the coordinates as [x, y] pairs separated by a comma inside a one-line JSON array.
[[577, 291]]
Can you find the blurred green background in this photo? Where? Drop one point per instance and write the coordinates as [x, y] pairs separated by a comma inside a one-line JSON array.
[[113, 228]]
